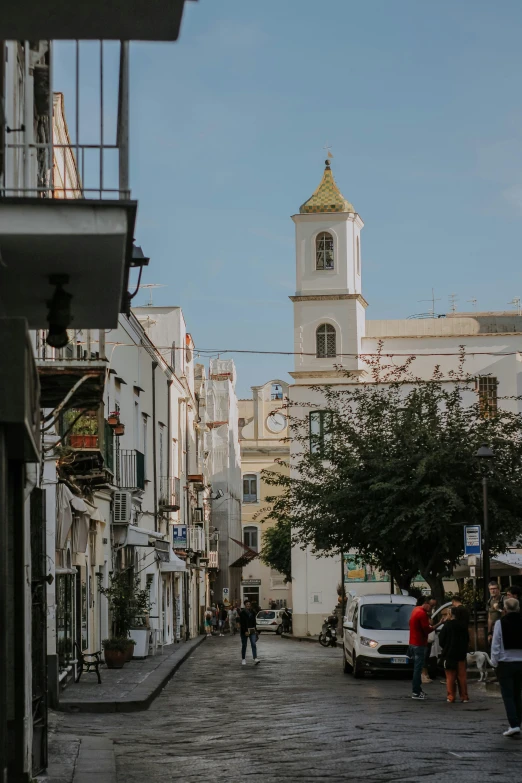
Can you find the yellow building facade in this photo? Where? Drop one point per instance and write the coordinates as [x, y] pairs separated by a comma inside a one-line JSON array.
[[263, 428]]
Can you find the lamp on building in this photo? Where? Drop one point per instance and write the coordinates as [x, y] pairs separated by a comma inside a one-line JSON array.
[[485, 455], [219, 494], [59, 315]]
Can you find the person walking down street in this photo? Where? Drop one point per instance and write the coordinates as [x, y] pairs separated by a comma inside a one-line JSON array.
[[208, 621], [494, 606], [506, 657], [214, 619], [454, 640], [247, 627], [222, 618], [232, 620], [420, 629], [286, 619]]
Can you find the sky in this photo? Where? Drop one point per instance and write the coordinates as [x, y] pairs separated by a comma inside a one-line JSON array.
[[422, 107]]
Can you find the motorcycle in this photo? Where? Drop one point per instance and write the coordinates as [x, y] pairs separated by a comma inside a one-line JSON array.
[[328, 635]]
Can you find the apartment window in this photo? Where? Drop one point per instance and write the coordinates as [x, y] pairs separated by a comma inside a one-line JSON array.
[[321, 425], [251, 537], [136, 424], [250, 489], [487, 392], [325, 342], [277, 392], [324, 251], [161, 434]]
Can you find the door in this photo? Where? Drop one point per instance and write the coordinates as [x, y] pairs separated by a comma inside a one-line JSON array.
[[349, 634]]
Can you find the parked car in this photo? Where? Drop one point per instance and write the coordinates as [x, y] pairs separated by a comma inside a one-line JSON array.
[[269, 620], [376, 634]]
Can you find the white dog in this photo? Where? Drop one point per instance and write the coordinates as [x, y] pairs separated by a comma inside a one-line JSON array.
[[482, 660]]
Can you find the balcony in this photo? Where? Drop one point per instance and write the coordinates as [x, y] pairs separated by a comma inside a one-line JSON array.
[[196, 538], [60, 370], [91, 447], [213, 561], [170, 494], [130, 470]]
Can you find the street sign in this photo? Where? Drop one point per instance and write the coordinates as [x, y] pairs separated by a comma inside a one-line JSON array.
[[225, 592], [179, 536], [472, 560], [472, 540], [472, 570]]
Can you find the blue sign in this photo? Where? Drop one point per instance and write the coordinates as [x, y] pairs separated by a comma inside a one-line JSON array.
[[179, 536], [472, 540]]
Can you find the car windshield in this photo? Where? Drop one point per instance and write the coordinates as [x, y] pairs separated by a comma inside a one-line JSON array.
[[386, 617], [266, 615]]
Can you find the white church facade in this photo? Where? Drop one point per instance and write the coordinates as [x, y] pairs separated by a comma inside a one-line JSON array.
[[331, 332]]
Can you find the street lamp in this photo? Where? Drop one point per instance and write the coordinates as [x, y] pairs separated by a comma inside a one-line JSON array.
[[484, 454]]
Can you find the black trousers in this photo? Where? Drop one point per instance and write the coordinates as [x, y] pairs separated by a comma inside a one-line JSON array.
[[509, 675]]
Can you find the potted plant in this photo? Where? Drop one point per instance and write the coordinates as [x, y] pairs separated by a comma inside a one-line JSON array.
[[119, 429], [127, 601], [113, 418], [115, 651], [83, 431], [130, 649]]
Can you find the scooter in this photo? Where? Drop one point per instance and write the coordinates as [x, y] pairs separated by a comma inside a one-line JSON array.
[[328, 635]]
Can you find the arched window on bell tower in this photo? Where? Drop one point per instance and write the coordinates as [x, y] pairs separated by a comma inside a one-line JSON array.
[[324, 251], [325, 342]]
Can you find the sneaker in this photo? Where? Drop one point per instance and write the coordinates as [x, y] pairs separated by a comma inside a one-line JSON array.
[[243, 662], [450, 701], [256, 661], [511, 732], [465, 701], [420, 695]]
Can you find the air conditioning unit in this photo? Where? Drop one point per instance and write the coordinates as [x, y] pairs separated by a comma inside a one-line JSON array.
[[122, 507]]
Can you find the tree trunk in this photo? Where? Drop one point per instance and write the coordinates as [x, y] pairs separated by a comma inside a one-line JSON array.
[[436, 586], [403, 579]]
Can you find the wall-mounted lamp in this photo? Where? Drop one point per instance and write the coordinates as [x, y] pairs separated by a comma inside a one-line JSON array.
[[219, 494], [59, 315]]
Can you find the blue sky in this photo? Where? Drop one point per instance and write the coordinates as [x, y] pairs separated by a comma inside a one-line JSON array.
[[421, 104]]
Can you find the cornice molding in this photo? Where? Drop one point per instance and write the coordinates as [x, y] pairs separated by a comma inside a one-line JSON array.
[[324, 297]]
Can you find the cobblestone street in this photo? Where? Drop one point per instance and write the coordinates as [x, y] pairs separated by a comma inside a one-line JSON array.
[[296, 716]]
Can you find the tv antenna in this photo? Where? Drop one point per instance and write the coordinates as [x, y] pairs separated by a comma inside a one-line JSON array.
[[453, 302], [431, 311], [473, 302], [150, 286], [516, 304]]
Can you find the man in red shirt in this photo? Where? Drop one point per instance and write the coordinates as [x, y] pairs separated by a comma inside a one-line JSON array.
[[420, 628]]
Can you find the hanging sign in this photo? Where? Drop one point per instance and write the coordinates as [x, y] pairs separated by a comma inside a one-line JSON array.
[[179, 536], [472, 540]]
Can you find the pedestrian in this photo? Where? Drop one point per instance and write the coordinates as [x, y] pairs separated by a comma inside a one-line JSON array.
[[214, 620], [514, 591], [222, 618], [457, 601], [247, 627], [208, 621], [428, 668], [286, 619], [506, 656], [420, 629], [494, 606], [232, 620], [454, 640]]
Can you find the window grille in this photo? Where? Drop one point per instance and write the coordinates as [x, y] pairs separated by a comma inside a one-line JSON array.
[[487, 392], [324, 251], [321, 426], [325, 342], [251, 537], [250, 489]]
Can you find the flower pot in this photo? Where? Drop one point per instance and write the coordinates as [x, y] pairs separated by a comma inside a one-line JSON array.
[[113, 420], [119, 429], [114, 658]]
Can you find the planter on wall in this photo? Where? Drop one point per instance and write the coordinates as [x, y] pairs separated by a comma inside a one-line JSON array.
[[119, 429], [113, 419], [83, 441]]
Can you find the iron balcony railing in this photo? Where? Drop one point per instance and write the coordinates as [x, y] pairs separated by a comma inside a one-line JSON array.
[[196, 538], [131, 469], [213, 560], [170, 493]]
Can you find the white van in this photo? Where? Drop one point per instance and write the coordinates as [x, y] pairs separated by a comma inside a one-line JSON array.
[[376, 634]]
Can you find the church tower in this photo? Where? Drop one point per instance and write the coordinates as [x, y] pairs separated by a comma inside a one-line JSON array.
[[329, 317]]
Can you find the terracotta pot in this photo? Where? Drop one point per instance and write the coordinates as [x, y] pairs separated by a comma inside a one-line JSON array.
[[114, 659], [112, 421], [130, 651], [119, 429]]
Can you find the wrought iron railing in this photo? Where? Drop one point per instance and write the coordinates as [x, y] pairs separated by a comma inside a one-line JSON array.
[[170, 493], [196, 538], [131, 472], [213, 559]]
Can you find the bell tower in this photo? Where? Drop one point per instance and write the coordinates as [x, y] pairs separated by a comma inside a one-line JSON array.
[[329, 309]]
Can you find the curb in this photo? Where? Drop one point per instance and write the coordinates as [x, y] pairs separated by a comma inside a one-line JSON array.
[[144, 694]]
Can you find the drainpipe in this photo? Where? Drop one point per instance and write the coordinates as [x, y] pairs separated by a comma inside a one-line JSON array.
[[154, 458]]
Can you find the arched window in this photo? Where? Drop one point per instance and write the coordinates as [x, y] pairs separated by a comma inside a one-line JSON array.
[[251, 537], [324, 251], [325, 342], [358, 257], [250, 488]]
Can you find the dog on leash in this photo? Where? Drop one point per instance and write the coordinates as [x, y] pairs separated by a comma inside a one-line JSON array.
[[482, 661]]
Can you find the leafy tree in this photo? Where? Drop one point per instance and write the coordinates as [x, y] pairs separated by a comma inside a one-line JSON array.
[[276, 550], [127, 600], [393, 475]]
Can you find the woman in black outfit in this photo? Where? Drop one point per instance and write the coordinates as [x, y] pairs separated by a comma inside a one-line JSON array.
[[454, 640]]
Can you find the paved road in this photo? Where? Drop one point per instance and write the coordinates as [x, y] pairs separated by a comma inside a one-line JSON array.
[[297, 717]]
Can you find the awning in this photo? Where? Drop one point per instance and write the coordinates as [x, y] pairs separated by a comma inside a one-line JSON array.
[[139, 536], [246, 557], [500, 565], [174, 564]]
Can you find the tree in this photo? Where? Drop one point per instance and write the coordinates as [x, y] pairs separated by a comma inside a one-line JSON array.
[[392, 475], [276, 550]]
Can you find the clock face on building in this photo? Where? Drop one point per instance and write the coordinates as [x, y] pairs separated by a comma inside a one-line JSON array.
[[276, 422]]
